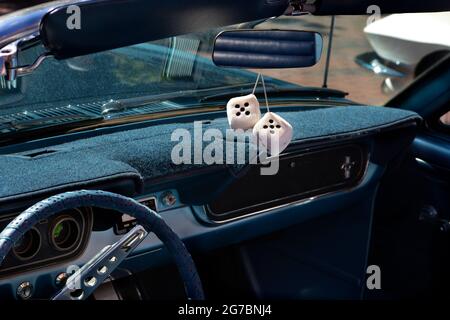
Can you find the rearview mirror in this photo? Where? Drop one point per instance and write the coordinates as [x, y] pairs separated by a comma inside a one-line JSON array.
[[267, 49]]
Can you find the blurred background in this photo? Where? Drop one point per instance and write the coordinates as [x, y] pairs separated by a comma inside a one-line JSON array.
[[372, 62], [7, 6]]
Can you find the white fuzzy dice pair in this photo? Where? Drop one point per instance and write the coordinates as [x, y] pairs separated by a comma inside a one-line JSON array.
[[272, 131]]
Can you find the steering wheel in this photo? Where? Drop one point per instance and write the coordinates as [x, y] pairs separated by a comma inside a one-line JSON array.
[[85, 280]]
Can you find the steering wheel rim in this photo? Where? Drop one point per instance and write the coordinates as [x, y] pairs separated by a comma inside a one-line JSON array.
[[150, 220]]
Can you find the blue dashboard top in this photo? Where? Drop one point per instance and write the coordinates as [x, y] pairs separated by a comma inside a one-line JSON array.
[[145, 154]]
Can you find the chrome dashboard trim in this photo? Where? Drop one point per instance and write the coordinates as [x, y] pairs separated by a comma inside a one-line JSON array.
[[145, 198]]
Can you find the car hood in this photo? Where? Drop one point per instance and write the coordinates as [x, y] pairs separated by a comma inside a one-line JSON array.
[[407, 38]]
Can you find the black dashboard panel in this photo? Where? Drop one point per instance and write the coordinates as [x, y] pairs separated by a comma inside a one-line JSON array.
[[300, 176]]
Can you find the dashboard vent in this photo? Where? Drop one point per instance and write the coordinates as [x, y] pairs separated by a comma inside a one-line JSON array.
[[58, 115], [72, 113]]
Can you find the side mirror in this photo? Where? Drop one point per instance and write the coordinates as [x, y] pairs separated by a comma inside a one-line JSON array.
[[267, 49]]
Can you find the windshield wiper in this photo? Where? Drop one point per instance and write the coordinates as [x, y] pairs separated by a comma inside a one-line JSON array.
[[18, 129], [12, 129], [221, 93], [65, 121], [118, 105], [280, 91]]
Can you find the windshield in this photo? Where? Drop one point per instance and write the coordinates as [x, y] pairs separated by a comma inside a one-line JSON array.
[[183, 64]]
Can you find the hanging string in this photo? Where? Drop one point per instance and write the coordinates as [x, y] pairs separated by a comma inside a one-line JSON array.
[[265, 93], [264, 89], [256, 83]]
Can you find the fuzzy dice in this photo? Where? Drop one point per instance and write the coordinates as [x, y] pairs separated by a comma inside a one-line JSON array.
[[243, 112], [273, 133]]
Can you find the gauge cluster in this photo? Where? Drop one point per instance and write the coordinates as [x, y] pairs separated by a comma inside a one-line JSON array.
[[57, 239]]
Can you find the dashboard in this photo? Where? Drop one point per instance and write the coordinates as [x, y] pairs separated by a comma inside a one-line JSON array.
[[208, 206], [300, 176]]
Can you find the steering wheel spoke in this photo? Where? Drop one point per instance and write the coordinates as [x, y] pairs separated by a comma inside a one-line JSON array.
[[84, 281]]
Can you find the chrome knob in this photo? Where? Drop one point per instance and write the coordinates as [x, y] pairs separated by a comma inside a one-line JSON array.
[[25, 290], [61, 279]]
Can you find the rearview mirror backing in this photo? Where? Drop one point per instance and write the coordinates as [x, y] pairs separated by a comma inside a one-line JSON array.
[[267, 49]]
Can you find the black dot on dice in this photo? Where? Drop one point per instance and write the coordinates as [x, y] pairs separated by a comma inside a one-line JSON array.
[[271, 127], [238, 114], [278, 126], [247, 113], [236, 106], [272, 132], [246, 104], [242, 109], [271, 121], [265, 127]]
